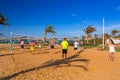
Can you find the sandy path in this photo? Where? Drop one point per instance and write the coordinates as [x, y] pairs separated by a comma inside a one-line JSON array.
[[91, 64]]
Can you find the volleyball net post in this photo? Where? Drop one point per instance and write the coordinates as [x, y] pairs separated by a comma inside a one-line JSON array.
[[11, 35]]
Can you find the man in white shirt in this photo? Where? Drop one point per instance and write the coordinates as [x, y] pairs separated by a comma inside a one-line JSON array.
[[76, 45]]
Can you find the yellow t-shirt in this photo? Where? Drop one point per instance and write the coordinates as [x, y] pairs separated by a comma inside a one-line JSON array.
[[64, 44]]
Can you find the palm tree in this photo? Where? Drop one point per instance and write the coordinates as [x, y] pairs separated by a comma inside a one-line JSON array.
[[49, 29], [3, 20], [95, 36], [89, 36], [106, 35], [88, 31], [118, 36], [83, 37], [113, 32]]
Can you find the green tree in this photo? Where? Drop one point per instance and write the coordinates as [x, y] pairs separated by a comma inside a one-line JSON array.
[[106, 35], [88, 31], [113, 32], [49, 29], [118, 35], [83, 37], [3, 20]]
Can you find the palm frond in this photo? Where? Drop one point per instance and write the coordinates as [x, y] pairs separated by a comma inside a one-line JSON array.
[[113, 32], [3, 20], [89, 29], [49, 29]]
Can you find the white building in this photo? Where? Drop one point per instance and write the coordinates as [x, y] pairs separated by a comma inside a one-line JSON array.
[[116, 41]]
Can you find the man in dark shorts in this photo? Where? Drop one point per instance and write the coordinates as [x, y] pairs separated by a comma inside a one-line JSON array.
[[64, 45], [52, 46], [52, 43], [22, 44]]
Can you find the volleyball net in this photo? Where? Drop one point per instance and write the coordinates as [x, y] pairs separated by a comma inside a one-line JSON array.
[[11, 42]]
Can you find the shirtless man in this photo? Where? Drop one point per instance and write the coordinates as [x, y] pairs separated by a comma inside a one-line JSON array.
[[52, 43]]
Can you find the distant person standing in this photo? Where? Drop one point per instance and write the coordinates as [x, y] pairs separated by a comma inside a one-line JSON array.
[[32, 46], [52, 45], [76, 45], [40, 44], [22, 44], [64, 45], [111, 50]]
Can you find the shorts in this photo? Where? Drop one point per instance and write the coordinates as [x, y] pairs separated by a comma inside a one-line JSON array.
[[64, 51], [32, 48], [75, 48], [22, 46], [52, 46]]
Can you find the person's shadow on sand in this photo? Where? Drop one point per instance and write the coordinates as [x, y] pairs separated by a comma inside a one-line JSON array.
[[66, 62], [53, 63]]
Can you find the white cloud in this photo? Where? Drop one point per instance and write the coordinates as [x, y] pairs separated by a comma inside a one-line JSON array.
[[84, 22], [116, 26], [73, 15], [109, 28], [118, 8], [77, 29], [76, 32]]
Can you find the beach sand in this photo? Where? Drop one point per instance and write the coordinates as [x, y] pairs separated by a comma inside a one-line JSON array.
[[91, 64]]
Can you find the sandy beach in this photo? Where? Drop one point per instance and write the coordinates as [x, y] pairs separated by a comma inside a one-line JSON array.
[[30, 29], [91, 64]]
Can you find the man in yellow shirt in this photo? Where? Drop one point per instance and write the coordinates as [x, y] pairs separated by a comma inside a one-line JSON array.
[[64, 45]]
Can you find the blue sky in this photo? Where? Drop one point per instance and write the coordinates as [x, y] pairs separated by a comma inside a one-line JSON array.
[[69, 17]]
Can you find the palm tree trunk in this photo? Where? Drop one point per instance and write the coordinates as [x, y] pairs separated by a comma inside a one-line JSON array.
[[44, 37], [94, 41], [87, 39]]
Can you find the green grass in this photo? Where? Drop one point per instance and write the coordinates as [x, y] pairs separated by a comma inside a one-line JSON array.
[[117, 49], [89, 47], [100, 47]]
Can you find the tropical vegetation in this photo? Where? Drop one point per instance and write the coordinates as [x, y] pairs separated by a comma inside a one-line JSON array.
[[49, 29], [3, 20], [113, 32], [88, 32]]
